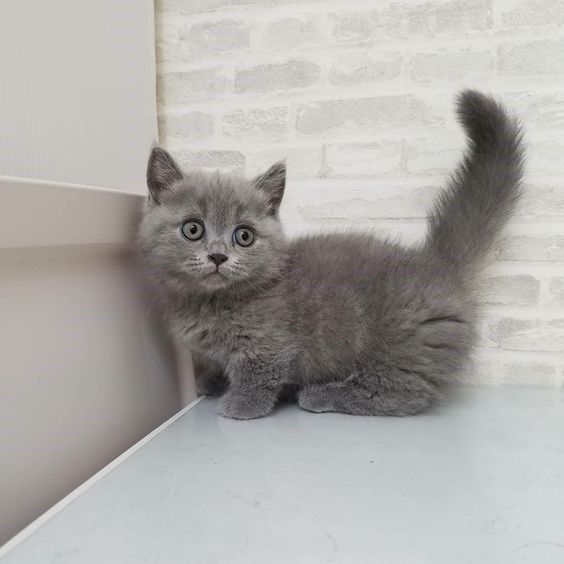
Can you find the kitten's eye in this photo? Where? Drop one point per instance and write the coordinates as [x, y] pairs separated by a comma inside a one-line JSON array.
[[192, 230], [243, 236]]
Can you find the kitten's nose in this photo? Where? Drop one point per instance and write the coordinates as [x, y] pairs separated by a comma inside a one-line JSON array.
[[218, 258]]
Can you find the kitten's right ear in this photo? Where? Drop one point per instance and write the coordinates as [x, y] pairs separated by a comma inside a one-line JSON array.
[[272, 184], [162, 173]]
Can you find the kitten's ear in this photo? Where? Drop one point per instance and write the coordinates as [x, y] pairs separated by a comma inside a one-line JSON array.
[[162, 172], [272, 183]]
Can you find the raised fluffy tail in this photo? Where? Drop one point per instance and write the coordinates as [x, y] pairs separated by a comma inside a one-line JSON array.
[[483, 191]]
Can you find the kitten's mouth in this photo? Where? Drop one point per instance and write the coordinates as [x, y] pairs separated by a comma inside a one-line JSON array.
[[215, 280], [215, 274]]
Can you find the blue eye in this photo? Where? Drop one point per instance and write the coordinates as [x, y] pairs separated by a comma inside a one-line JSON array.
[[192, 230], [244, 236]]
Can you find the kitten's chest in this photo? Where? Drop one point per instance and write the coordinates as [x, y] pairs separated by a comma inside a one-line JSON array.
[[214, 329]]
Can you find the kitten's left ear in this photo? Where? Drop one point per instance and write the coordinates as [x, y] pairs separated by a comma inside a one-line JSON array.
[[272, 183], [162, 173]]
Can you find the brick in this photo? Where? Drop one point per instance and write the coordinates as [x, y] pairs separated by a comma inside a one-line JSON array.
[[284, 2], [460, 16], [277, 76], [191, 86], [226, 161], [535, 57], [356, 200], [268, 124], [288, 33], [532, 13], [405, 19], [358, 26], [198, 6], [296, 222], [301, 162], [362, 159], [191, 125], [363, 67], [493, 368], [430, 18], [517, 289], [433, 154], [544, 154], [214, 38], [460, 65], [545, 111], [167, 40], [543, 335], [556, 291], [530, 247], [364, 113], [529, 373], [544, 201]]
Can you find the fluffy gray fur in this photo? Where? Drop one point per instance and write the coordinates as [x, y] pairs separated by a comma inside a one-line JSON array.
[[350, 323]]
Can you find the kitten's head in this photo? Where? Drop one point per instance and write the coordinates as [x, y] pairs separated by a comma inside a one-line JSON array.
[[211, 232]]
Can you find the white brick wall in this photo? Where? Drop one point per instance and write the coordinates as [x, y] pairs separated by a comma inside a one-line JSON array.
[[358, 96]]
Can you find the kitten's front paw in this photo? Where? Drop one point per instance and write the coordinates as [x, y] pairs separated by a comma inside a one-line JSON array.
[[314, 399], [237, 405]]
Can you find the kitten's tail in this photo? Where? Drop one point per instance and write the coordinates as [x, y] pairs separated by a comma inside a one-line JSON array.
[[483, 191]]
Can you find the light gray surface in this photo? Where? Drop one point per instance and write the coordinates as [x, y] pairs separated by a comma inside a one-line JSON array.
[[479, 480]]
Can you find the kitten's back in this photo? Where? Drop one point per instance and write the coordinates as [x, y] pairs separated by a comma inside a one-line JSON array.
[[357, 297]]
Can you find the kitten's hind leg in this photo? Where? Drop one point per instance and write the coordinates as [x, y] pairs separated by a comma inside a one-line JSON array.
[[397, 393]]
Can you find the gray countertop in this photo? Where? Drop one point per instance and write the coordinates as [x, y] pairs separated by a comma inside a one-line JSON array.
[[480, 479]]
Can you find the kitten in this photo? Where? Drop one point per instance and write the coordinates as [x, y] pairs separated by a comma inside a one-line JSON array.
[[352, 323]]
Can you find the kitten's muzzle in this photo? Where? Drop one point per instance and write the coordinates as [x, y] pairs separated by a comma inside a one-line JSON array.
[[217, 258]]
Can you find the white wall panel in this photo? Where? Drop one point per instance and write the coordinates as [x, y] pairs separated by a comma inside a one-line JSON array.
[[77, 98], [85, 368]]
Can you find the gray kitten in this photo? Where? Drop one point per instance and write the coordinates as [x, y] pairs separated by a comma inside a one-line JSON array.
[[350, 323]]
